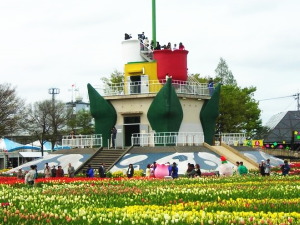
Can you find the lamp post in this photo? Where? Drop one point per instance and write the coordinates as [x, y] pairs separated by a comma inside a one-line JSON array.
[[53, 92]]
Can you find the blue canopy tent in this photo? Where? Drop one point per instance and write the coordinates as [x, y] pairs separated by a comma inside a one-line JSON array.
[[48, 146], [10, 146]]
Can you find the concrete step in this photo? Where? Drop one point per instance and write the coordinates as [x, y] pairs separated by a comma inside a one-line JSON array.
[[106, 156]]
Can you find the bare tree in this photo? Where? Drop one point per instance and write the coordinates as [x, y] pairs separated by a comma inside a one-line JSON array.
[[45, 120], [59, 114], [10, 109]]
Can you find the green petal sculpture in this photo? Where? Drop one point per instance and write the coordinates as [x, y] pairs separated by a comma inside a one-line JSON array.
[[104, 114], [165, 113], [209, 114]]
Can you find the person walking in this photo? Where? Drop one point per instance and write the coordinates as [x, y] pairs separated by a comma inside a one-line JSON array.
[[53, 171], [174, 172], [235, 169], [60, 172], [31, 175], [113, 137], [261, 167], [285, 168], [71, 171], [130, 171], [267, 168], [20, 174], [242, 169], [148, 171], [90, 171], [191, 170], [102, 171], [197, 170], [47, 171]]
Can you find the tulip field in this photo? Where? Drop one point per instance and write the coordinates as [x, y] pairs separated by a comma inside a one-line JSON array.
[[211, 200]]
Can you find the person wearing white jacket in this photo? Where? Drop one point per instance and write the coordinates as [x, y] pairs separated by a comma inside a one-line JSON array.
[[31, 175]]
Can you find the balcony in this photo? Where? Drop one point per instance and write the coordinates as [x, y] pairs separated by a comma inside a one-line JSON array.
[[152, 87]]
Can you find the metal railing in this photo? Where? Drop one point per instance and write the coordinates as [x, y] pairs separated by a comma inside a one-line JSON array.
[[152, 86], [167, 138], [146, 51], [231, 138], [82, 141]]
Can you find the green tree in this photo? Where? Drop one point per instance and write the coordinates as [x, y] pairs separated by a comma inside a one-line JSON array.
[[84, 122], [116, 77], [197, 77], [223, 74], [81, 122], [11, 109], [261, 132], [239, 111], [113, 84]]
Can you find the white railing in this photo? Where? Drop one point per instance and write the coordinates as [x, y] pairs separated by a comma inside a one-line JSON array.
[[231, 138], [146, 48], [152, 86], [168, 138], [82, 141]]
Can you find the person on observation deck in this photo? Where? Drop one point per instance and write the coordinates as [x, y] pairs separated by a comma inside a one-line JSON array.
[[181, 46], [175, 47], [210, 86], [127, 36]]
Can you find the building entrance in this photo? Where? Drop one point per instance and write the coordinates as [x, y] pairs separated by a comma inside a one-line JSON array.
[[131, 125], [138, 84]]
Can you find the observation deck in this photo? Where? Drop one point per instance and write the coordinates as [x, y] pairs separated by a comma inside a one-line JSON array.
[[189, 89]]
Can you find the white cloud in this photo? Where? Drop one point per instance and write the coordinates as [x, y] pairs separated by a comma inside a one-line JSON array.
[[46, 44]]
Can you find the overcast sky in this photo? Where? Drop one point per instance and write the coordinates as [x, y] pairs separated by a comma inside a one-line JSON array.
[[57, 43]]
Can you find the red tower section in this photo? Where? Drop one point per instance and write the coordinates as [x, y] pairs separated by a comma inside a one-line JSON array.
[[173, 63]]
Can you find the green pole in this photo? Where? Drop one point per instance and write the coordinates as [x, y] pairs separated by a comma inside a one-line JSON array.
[[154, 23]]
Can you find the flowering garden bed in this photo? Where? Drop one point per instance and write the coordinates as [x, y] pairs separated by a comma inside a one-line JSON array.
[[209, 200]]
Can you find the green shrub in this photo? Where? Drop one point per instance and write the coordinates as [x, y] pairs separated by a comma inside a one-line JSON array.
[[109, 175]]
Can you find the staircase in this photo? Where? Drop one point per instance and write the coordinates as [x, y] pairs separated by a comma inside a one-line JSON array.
[[107, 156], [147, 55]]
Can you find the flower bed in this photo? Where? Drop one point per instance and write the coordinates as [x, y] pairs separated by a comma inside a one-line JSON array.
[[209, 200], [295, 169]]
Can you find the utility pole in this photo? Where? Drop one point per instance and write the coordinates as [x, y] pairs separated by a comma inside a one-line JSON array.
[[297, 97]]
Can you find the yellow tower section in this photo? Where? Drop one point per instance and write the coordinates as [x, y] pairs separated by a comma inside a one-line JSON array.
[[141, 77]]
